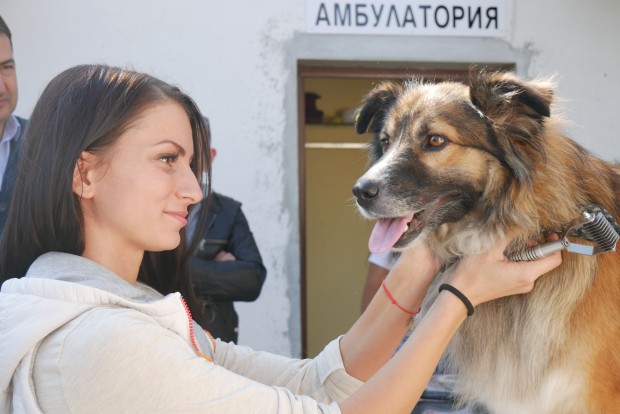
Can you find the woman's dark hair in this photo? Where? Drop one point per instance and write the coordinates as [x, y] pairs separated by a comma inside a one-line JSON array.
[[86, 108]]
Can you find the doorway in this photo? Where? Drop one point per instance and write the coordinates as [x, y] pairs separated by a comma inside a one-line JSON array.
[[332, 156]]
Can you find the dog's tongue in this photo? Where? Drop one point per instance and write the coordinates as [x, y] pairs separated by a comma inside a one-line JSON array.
[[387, 232]]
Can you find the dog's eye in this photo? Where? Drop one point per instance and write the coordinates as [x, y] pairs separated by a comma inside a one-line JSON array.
[[436, 141], [385, 142]]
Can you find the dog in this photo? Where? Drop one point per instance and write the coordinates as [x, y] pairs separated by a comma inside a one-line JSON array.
[[459, 166]]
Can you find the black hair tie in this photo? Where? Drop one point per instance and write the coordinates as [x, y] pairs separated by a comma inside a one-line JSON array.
[[459, 294]]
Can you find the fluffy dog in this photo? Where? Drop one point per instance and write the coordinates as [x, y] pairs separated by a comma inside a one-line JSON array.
[[460, 165]]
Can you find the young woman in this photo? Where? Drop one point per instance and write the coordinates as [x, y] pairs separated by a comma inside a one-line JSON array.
[[95, 237]]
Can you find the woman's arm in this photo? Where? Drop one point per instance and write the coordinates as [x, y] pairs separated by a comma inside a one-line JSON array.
[[372, 340], [397, 386], [397, 383]]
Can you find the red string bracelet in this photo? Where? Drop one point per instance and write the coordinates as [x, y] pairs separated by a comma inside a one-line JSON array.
[[389, 295]]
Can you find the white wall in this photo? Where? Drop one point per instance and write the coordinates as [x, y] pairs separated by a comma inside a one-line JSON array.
[[579, 41], [238, 60]]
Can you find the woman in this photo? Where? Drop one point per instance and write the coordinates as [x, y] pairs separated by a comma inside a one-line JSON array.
[[96, 233]]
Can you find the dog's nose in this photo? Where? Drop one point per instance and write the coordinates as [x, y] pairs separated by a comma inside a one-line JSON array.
[[365, 191]]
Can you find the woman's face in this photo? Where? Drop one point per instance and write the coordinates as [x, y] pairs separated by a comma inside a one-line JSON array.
[[137, 192]]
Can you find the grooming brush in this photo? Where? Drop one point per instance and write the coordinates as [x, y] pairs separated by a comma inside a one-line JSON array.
[[593, 225]]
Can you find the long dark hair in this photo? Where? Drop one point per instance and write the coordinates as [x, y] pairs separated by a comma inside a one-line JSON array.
[[86, 108]]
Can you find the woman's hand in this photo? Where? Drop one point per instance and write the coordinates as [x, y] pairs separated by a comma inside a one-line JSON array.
[[491, 275], [416, 262]]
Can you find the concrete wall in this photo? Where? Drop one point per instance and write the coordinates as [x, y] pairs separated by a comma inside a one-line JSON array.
[[238, 60]]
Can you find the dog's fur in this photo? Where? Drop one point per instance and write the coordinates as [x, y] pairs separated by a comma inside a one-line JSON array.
[[505, 166]]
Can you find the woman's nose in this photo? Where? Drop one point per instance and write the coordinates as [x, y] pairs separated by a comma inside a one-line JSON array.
[[189, 187]]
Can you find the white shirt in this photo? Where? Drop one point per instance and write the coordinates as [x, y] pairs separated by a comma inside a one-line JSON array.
[[385, 260]]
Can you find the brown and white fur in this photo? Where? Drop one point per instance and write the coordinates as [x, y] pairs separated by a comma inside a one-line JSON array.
[[476, 161]]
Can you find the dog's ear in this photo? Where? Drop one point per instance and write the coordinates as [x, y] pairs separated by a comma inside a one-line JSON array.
[[375, 105], [517, 110], [504, 97]]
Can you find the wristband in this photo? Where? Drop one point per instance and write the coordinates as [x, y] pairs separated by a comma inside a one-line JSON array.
[[459, 294], [389, 295]]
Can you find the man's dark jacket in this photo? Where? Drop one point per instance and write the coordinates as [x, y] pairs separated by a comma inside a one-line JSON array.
[[8, 182], [219, 283]]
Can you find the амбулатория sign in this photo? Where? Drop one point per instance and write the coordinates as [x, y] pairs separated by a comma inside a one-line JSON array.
[[486, 18]]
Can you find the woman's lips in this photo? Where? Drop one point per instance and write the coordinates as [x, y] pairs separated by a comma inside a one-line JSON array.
[[178, 215]]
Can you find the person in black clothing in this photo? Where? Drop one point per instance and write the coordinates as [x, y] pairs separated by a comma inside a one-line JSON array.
[[226, 266]]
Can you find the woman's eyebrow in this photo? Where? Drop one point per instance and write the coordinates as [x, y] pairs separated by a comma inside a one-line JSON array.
[[168, 141]]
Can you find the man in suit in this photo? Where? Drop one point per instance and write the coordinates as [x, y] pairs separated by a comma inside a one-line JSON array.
[[11, 127], [227, 266]]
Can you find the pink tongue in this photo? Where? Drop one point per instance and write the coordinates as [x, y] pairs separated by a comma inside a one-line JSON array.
[[387, 232]]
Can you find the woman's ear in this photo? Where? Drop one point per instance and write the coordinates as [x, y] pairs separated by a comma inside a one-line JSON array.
[[83, 174]]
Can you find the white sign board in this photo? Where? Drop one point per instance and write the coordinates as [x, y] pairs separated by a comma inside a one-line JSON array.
[[486, 18]]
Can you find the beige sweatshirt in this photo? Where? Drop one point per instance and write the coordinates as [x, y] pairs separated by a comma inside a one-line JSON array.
[[88, 342]]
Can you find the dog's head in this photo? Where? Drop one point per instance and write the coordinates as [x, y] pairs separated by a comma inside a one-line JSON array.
[[446, 156]]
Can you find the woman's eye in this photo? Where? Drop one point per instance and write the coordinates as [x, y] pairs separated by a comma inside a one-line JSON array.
[[436, 141], [169, 159]]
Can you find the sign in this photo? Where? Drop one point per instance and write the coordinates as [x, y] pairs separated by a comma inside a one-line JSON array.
[[486, 18]]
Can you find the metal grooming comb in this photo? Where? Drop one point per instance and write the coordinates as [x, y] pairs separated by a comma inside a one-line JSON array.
[[592, 225]]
